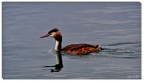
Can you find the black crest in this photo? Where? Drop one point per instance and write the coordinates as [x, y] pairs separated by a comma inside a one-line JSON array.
[[53, 30]]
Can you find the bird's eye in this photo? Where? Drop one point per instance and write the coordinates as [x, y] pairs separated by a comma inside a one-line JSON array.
[[49, 33]]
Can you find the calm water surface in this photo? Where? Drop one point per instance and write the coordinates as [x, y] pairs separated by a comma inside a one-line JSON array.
[[115, 26]]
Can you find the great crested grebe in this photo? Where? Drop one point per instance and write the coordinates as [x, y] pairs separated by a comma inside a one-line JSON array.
[[73, 49]]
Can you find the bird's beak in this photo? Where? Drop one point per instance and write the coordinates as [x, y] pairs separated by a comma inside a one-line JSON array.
[[45, 36]]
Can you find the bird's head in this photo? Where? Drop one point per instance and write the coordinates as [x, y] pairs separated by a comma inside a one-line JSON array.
[[55, 33]]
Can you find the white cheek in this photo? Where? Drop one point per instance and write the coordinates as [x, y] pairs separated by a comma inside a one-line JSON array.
[[52, 34]]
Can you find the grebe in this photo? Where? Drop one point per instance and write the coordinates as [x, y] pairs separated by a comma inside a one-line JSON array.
[[73, 49]]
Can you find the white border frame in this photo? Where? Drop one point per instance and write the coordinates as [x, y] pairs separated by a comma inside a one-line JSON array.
[[84, 80]]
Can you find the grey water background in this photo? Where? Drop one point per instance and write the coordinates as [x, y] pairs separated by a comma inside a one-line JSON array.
[[114, 26]]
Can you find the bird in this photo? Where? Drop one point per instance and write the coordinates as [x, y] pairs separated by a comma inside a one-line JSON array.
[[72, 49]]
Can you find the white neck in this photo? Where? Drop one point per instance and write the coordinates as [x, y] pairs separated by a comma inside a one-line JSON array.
[[58, 46]]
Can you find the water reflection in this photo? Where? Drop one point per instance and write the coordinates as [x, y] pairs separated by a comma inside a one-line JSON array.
[[59, 63]]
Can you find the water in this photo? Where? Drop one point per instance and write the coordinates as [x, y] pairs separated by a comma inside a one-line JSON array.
[[114, 26]]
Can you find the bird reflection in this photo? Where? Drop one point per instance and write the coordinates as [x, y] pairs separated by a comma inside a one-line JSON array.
[[59, 64]]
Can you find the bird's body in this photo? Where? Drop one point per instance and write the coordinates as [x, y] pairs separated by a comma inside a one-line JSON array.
[[81, 49]]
